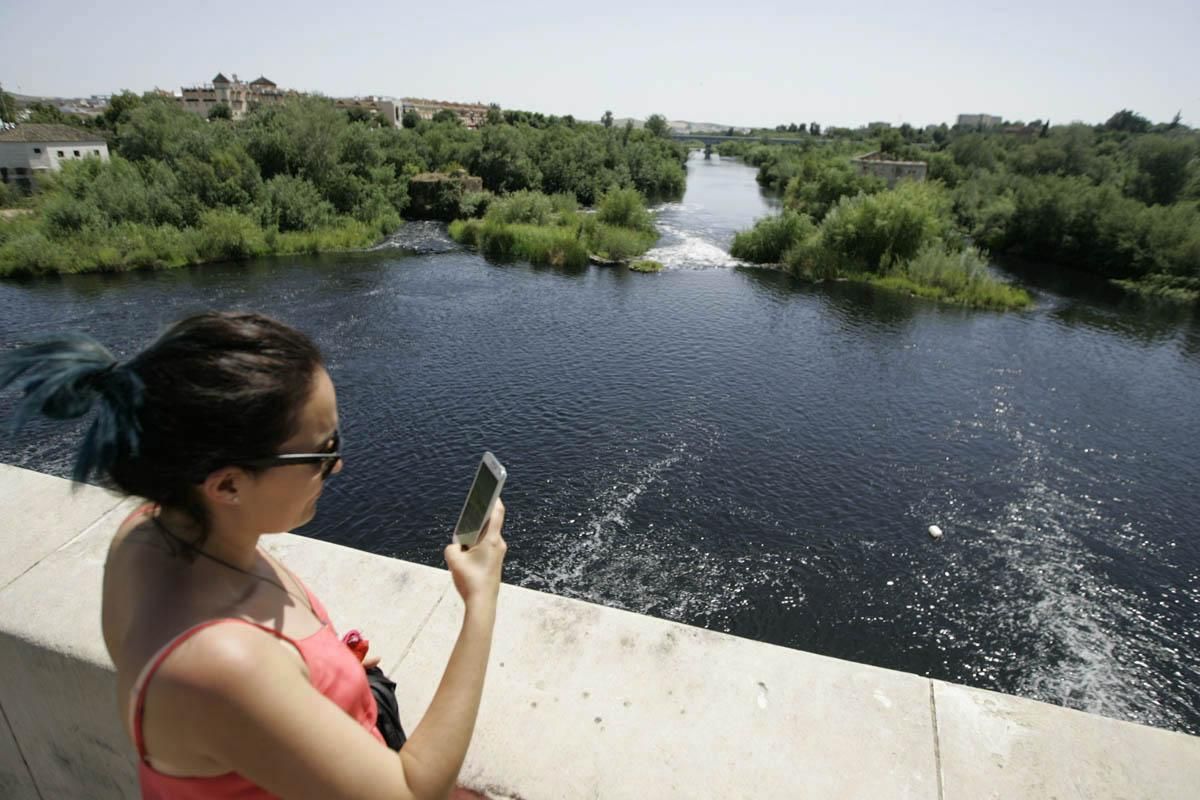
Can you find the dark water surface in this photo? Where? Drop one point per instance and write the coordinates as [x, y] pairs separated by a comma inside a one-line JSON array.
[[729, 448]]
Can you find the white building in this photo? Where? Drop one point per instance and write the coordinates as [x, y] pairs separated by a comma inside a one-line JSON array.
[[978, 121], [388, 109], [29, 149]]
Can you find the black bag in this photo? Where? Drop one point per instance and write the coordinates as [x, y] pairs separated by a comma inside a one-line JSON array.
[[388, 721]]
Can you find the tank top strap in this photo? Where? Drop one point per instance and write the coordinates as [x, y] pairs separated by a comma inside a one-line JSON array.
[[144, 508], [314, 602], [143, 680]]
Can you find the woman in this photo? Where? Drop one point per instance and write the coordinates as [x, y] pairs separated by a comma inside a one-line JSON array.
[[230, 679]]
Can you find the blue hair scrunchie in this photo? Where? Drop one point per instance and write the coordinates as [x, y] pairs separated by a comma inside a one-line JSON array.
[[62, 378]]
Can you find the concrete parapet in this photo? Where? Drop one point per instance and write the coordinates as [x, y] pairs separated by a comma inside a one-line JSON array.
[[581, 700]]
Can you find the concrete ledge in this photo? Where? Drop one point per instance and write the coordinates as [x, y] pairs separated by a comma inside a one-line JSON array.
[[41, 513], [581, 700], [999, 746]]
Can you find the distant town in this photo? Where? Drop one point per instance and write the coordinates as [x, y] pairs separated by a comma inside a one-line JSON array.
[[241, 96], [28, 148]]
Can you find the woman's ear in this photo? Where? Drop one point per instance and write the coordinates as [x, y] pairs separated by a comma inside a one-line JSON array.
[[222, 487]]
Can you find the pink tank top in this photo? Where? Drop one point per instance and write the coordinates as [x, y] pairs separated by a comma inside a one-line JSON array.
[[332, 668]]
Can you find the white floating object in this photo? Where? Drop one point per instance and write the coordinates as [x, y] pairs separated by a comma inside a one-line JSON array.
[[935, 531]]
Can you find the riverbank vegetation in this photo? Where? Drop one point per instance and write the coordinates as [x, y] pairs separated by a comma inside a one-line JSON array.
[[550, 229], [1119, 200], [902, 239], [305, 177]]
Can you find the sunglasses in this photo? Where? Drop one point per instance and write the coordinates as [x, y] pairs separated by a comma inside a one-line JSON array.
[[327, 460]]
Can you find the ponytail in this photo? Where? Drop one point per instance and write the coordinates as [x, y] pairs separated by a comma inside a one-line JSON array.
[[62, 378], [215, 389]]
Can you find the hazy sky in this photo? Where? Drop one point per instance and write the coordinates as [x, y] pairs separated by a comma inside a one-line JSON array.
[[739, 62]]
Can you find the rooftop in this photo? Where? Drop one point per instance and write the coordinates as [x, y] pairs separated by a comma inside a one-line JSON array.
[[36, 132], [884, 158]]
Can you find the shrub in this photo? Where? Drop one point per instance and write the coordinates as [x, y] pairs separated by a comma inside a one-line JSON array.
[[294, 204], [557, 246], [564, 204], [523, 207], [227, 235], [32, 253], [615, 243], [771, 237], [466, 231], [497, 240], [962, 277], [65, 215], [874, 231], [474, 205], [624, 208], [1165, 287], [346, 234], [821, 181]]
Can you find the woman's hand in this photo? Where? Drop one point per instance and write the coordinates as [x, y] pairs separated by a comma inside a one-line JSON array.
[[476, 569]]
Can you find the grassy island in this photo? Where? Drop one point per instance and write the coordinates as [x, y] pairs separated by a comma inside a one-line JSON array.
[[902, 239], [550, 229]]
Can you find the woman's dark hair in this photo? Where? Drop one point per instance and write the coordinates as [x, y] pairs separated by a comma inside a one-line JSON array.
[[215, 389]]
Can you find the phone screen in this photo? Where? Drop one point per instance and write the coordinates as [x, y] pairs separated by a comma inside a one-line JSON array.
[[474, 513]]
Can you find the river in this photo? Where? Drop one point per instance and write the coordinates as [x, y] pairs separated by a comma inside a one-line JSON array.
[[734, 449]]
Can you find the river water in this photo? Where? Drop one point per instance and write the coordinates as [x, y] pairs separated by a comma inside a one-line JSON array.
[[730, 448]]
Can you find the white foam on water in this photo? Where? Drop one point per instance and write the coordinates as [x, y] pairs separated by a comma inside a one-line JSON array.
[[686, 250], [1094, 639], [605, 558], [419, 236]]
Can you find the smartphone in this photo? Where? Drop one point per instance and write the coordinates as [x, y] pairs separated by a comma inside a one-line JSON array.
[[489, 480]]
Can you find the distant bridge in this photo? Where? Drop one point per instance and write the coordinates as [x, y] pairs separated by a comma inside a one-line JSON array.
[[717, 138]]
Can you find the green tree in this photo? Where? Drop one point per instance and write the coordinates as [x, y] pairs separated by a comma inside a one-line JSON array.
[[364, 116], [607, 119], [814, 129], [819, 181], [44, 113], [154, 130], [891, 142], [974, 150], [657, 125], [624, 208], [1163, 168], [8, 107], [410, 118], [503, 162], [294, 204], [494, 115], [446, 115], [1128, 121], [220, 111], [119, 105]]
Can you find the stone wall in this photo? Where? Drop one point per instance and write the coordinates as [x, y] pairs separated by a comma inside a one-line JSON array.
[[890, 171], [436, 195]]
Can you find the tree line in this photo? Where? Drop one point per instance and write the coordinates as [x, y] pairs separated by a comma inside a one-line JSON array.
[[1119, 200], [300, 176]]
